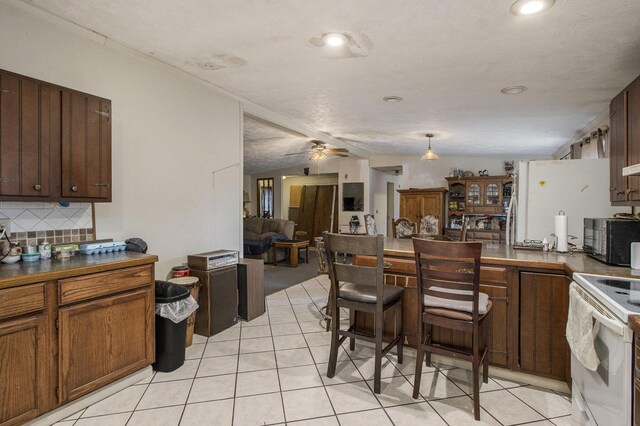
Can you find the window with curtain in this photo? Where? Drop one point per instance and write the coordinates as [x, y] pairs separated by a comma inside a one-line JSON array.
[[265, 197]]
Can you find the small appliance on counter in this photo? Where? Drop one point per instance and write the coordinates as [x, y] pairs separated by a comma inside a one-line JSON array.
[[609, 239]]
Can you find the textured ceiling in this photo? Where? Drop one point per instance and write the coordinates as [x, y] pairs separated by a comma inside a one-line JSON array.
[[447, 59]]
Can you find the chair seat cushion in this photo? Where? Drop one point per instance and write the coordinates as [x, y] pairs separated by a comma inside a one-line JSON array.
[[457, 305], [453, 314], [367, 293]]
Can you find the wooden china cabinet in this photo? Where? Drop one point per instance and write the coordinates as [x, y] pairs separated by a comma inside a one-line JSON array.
[[484, 199], [416, 203]]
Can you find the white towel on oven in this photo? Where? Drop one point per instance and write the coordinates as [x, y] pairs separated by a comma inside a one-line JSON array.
[[582, 330]]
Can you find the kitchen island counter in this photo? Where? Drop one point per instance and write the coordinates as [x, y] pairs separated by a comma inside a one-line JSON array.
[[502, 254]]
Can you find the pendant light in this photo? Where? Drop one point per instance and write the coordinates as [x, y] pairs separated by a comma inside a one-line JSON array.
[[429, 155]]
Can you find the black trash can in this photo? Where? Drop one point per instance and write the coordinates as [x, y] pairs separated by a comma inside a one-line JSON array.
[[170, 336]]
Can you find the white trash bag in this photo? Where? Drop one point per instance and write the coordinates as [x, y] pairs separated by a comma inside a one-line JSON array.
[[177, 311]]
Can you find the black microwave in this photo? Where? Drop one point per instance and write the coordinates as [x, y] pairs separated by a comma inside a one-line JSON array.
[[609, 240]]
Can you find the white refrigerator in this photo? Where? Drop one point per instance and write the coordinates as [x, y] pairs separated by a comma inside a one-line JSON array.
[[578, 187]]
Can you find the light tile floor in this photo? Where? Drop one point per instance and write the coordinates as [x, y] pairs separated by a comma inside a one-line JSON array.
[[272, 370]]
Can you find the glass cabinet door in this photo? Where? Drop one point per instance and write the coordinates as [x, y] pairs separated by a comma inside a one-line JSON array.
[[473, 194], [492, 192]]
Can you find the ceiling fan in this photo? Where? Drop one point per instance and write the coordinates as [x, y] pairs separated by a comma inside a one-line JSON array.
[[319, 151]]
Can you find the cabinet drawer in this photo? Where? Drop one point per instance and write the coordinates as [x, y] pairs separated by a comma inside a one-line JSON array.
[[102, 284], [493, 275], [21, 300]]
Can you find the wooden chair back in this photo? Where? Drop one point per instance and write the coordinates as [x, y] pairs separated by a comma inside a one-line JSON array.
[[370, 225], [430, 225], [357, 274], [403, 228], [463, 231], [449, 270]]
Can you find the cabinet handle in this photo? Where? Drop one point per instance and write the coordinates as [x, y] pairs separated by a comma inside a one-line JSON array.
[[7, 180], [105, 185], [613, 188], [74, 188], [629, 191], [3, 90], [37, 187], [387, 265], [102, 113], [619, 192]]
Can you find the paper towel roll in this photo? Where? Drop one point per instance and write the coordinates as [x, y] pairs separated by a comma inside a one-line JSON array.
[[635, 255], [561, 232]]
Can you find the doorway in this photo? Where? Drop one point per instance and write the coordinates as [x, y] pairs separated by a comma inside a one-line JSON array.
[[390, 208]]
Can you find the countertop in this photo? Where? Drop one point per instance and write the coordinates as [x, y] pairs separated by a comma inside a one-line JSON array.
[[54, 269], [506, 255]]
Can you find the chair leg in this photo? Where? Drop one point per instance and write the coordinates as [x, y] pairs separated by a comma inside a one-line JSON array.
[[419, 357], [427, 341], [329, 310], [352, 323], [399, 332], [379, 320], [476, 374], [476, 390], [485, 352], [333, 351]]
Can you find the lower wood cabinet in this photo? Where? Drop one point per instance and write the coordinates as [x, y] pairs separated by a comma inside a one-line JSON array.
[[103, 340], [23, 369], [62, 339], [544, 306]]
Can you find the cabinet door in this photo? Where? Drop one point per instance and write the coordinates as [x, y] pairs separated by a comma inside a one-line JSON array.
[[411, 207], [633, 137], [23, 361], [492, 194], [29, 134], [104, 340], [497, 327], [544, 306], [617, 142], [474, 195], [86, 147]]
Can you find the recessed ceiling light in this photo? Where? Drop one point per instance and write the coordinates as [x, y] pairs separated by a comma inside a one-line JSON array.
[[529, 7], [514, 90], [392, 99], [335, 39], [211, 66]]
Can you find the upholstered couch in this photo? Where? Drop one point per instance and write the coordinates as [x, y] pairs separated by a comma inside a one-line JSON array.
[[259, 234]]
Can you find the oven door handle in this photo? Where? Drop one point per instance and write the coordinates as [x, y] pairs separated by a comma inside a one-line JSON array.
[[613, 325]]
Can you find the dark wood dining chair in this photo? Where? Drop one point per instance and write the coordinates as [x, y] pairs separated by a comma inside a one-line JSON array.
[[463, 230], [361, 288], [449, 297]]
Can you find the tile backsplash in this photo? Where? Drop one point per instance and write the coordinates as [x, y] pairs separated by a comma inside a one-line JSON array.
[[33, 222]]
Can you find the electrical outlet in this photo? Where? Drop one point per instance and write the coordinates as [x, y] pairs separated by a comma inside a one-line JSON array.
[[5, 224]]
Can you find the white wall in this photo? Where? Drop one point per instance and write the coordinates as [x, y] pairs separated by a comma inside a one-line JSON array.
[[431, 174], [353, 170], [170, 134], [378, 184]]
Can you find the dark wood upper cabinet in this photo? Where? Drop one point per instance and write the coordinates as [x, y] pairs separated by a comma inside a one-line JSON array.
[[624, 145], [86, 146], [29, 137], [55, 143]]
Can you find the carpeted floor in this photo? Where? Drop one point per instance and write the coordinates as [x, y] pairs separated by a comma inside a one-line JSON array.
[[280, 277]]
